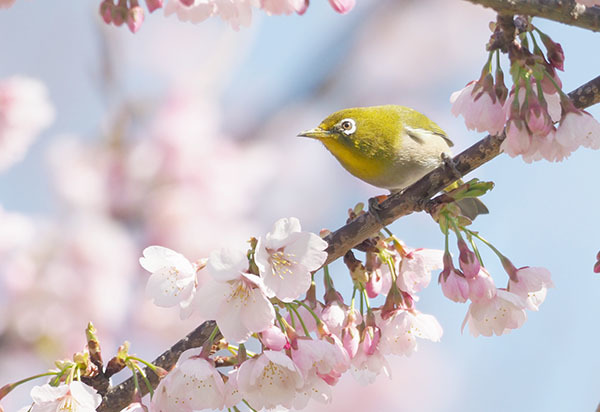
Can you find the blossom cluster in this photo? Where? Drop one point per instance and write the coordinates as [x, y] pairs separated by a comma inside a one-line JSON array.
[[306, 345], [236, 12], [540, 120], [25, 110]]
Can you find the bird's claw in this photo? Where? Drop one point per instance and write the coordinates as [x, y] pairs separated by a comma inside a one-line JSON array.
[[375, 207], [451, 165]]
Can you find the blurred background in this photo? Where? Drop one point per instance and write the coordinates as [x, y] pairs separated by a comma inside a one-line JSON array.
[[184, 135]]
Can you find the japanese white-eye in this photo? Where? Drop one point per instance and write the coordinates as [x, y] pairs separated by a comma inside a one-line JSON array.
[[387, 146]]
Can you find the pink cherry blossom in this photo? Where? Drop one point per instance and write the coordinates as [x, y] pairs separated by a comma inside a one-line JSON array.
[[329, 360], [173, 276], [498, 315], [334, 316], [25, 111], [518, 140], [532, 285], [273, 338], [269, 380], [75, 397], [314, 388], [579, 129], [414, 272], [482, 114], [283, 6], [481, 287], [369, 362], [233, 298], [193, 384], [286, 257], [236, 12], [400, 330], [455, 287], [6, 3], [342, 6]]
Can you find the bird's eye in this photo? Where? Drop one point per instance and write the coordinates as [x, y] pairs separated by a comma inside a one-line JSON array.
[[348, 126]]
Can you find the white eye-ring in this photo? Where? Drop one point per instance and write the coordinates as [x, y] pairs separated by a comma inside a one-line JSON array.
[[348, 126]]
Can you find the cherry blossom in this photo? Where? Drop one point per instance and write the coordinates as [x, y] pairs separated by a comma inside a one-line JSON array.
[[454, 286], [414, 272], [579, 129], [532, 285], [286, 257], [236, 12], [234, 298], [481, 110], [481, 287], [328, 360], [369, 362], [75, 397], [173, 277], [400, 330], [269, 380], [193, 384], [498, 315], [283, 6]]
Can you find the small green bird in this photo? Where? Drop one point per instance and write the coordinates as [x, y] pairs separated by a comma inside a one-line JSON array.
[[387, 146]]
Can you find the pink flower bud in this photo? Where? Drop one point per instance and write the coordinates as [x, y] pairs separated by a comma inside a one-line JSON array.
[[187, 3], [273, 338], [467, 260], [106, 11], [351, 340], [119, 15], [342, 6], [374, 284], [455, 287], [154, 4], [371, 338], [303, 8], [509, 268], [135, 18]]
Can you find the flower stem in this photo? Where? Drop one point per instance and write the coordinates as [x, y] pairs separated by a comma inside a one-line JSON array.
[[306, 332]]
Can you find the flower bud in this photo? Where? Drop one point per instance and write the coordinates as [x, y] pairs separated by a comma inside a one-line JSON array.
[[273, 338], [154, 4], [106, 8], [467, 260], [342, 6], [135, 18], [455, 287]]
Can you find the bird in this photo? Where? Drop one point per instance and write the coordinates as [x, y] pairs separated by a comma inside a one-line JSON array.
[[389, 146]]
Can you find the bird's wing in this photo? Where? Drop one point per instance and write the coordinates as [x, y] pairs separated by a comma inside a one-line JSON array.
[[422, 135]]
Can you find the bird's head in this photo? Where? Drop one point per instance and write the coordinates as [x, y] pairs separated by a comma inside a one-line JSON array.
[[356, 124]]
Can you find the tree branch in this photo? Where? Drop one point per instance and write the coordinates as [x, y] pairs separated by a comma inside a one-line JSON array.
[[118, 397], [563, 11], [413, 199]]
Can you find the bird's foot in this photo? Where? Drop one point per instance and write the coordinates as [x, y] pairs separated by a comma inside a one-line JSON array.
[[451, 165], [375, 208]]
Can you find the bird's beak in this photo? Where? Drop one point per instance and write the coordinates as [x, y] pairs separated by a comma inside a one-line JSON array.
[[316, 133]]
